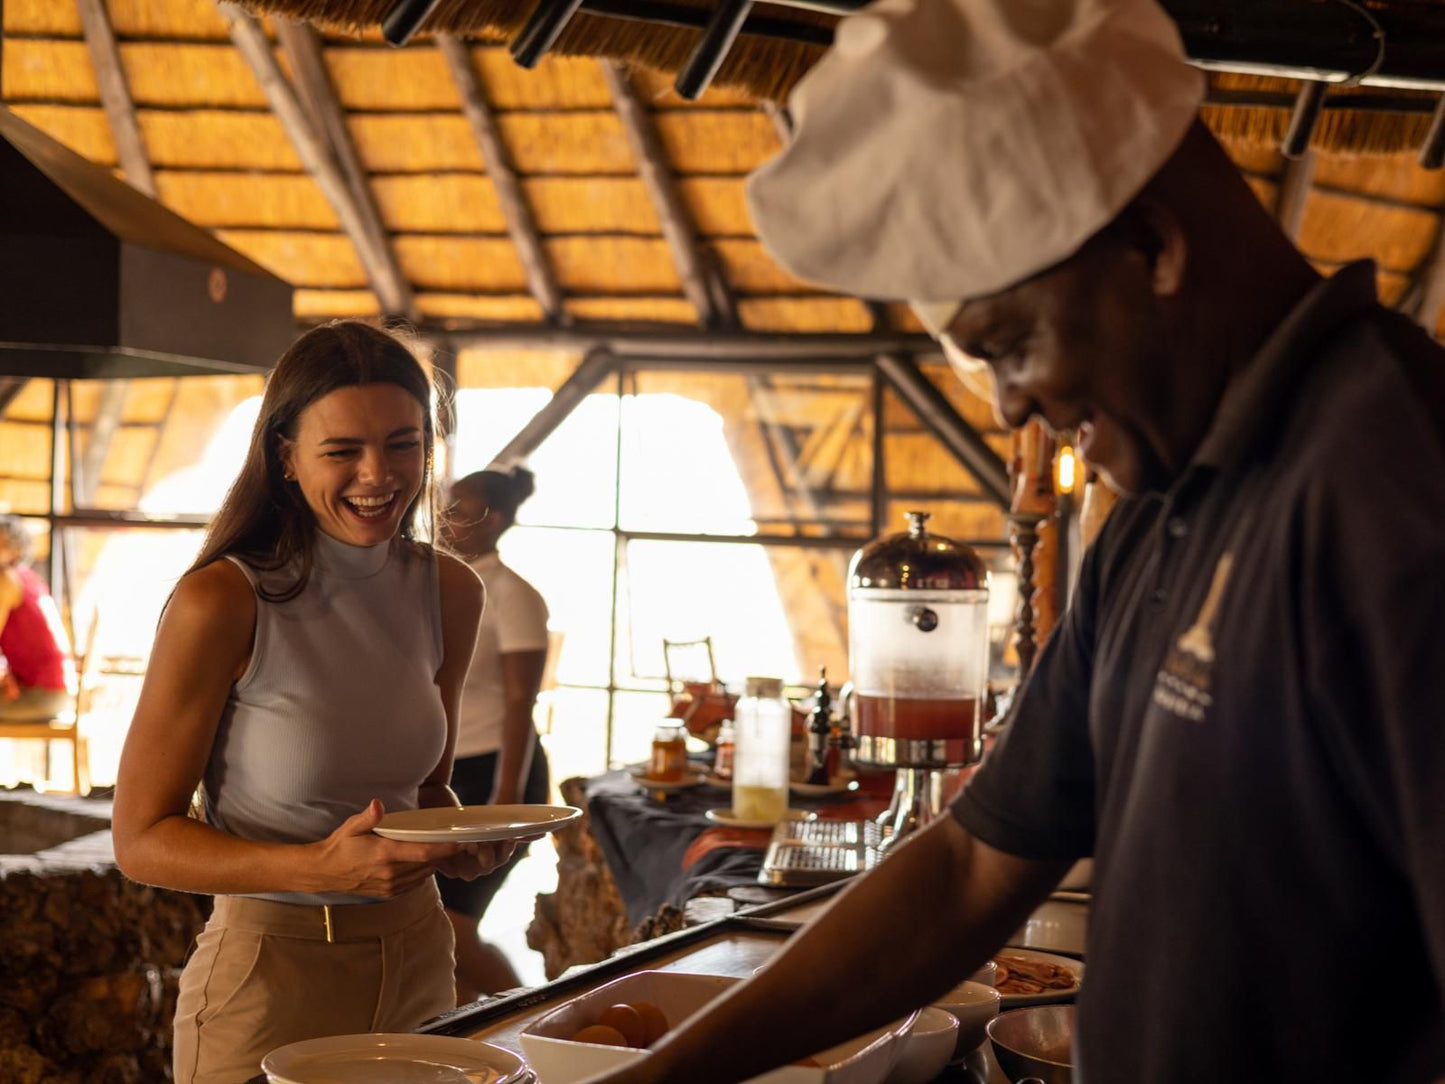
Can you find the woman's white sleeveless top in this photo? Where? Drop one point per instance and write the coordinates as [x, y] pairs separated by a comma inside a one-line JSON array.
[[339, 704]]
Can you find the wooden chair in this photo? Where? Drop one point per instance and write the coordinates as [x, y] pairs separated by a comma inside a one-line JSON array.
[[65, 725]]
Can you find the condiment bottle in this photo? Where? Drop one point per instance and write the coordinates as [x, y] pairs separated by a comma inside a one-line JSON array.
[[669, 754], [722, 766], [763, 722]]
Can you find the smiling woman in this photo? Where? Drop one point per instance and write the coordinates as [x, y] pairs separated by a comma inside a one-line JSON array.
[[305, 680]]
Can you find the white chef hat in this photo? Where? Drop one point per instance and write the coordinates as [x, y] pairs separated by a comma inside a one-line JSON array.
[[947, 149]]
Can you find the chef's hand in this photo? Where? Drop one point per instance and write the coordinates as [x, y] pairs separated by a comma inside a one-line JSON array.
[[352, 859], [474, 860]]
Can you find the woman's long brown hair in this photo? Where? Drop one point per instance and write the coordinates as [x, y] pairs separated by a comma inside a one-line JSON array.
[[266, 520]]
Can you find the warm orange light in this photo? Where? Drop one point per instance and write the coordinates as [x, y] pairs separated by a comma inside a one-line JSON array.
[[1065, 469]]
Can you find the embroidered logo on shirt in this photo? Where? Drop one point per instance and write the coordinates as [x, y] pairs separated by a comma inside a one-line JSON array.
[[1182, 686]]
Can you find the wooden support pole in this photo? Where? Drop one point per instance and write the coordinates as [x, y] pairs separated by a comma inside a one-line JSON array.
[[115, 95], [682, 345], [701, 282], [596, 367], [1432, 287], [313, 84], [315, 156], [520, 225], [1295, 184]]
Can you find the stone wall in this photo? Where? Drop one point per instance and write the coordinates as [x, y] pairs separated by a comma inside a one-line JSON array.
[[89, 960]]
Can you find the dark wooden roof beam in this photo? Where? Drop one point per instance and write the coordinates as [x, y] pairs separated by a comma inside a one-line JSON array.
[[115, 95], [303, 48], [385, 278], [521, 226], [701, 282]]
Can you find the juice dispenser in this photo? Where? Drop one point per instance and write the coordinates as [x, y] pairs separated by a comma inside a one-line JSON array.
[[918, 652]]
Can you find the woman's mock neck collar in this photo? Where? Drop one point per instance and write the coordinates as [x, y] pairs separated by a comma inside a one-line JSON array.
[[348, 561]]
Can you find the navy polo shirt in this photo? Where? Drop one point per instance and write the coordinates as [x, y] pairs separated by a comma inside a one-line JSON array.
[[1240, 718]]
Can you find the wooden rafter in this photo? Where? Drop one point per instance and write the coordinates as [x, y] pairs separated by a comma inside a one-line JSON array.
[[317, 92], [701, 281], [115, 95], [370, 245], [521, 226]]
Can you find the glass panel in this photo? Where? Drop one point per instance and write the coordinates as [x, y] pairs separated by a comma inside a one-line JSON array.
[[576, 741], [778, 610], [634, 717], [573, 571], [576, 466], [25, 448], [733, 453], [161, 446]]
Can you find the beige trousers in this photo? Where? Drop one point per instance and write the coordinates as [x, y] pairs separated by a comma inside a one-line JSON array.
[[264, 974]]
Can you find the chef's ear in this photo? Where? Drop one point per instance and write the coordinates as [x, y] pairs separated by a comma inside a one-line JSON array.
[[1156, 232]]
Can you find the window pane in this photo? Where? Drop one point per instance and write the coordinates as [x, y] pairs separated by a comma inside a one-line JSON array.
[[733, 453], [772, 610], [573, 571], [25, 448], [576, 466], [576, 742], [162, 446]]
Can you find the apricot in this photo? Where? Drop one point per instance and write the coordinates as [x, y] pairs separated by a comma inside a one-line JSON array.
[[627, 1020], [653, 1019], [600, 1035]]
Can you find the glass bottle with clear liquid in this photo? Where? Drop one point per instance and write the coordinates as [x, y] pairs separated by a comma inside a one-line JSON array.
[[762, 733]]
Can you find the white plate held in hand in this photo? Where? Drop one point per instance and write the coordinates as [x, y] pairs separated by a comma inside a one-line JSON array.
[[393, 1059], [475, 823]]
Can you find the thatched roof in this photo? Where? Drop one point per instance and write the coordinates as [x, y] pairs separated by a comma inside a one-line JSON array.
[[222, 158]]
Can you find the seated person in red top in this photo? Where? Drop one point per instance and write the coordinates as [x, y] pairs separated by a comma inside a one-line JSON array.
[[32, 638]]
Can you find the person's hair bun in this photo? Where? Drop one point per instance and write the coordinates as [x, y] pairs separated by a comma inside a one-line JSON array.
[[524, 484]]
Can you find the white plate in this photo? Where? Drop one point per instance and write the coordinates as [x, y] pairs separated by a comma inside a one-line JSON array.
[[1068, 963], [392, 1059], [822, 790], [475, 823], [725, 818], [693, 778]]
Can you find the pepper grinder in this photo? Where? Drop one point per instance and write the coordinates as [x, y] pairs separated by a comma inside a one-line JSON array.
[[820, 734]]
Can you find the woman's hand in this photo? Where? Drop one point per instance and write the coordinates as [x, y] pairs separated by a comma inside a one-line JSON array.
[[474, 860], [353, 859]]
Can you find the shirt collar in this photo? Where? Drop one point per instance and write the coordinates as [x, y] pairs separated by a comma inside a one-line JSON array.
[[1259, 395]]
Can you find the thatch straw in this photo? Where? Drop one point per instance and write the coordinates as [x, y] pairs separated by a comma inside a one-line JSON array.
[[750, 269], [1396, 176], [302, 259], [612, 265], [316, 305], [1337, 229], [461, 264], [665, 310], [190, 19], [803, 314], [223, 139], [265, 200], [764, 67], [510, 308], [81, 128]]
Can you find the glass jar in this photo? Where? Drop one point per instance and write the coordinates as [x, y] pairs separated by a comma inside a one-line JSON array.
[[669, 754], [722, 766], [763, 724]]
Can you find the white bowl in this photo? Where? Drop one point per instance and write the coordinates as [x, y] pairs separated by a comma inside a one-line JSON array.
[[927, 1047], [974, 1004], [987, 974], [556, 1059]]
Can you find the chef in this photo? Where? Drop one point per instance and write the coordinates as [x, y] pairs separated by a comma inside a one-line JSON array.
[[1240, 717]]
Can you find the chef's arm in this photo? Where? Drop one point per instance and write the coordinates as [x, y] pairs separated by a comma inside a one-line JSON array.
[[900, 937]]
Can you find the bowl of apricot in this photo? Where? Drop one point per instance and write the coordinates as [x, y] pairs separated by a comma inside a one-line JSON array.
[[613, 1025]]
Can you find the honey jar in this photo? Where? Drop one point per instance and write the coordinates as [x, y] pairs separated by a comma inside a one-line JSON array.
[[669, 754]]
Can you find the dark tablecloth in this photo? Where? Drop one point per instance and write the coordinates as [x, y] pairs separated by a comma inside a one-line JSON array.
[[657, 851]]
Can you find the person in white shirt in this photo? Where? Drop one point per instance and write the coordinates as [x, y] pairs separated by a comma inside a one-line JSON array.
[[499, 757]]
